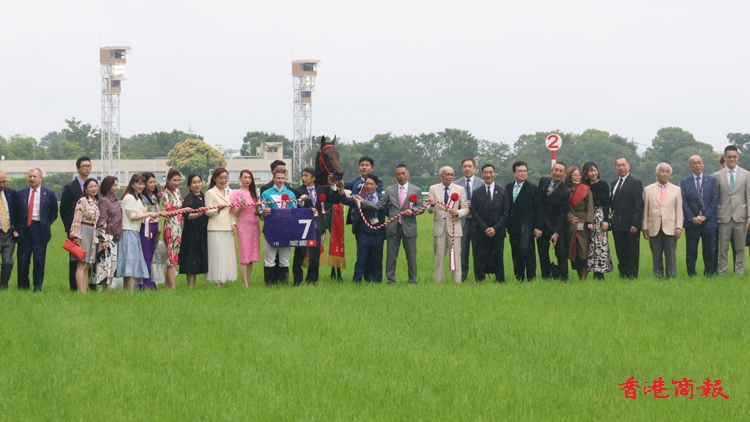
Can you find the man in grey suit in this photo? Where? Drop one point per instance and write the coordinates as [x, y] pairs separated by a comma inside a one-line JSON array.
[[397, 198], [732, 212], [468, 241]]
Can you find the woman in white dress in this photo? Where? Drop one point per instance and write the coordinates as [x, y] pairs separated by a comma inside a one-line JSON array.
[[222, 258], [130, 261]]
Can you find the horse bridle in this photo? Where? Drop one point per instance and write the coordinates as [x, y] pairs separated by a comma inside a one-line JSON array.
[[322, 161]]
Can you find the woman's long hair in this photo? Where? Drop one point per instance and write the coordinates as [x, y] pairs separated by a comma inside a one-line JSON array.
[[138, 177], [217, 172], [253, 190]]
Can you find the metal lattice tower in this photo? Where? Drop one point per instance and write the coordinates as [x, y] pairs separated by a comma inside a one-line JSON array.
[[112, 61], [303, 75]]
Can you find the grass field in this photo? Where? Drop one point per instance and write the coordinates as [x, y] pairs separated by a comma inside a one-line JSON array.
[[338, 351]]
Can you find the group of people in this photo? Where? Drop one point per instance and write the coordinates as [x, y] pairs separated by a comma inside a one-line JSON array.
[[119, 237], [570, 212]]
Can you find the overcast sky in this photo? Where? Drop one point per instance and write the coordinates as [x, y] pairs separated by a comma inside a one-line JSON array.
[[498, 69]]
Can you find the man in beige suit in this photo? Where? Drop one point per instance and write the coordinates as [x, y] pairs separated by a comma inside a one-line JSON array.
[[662, 220], [442, 222], [732, 212]]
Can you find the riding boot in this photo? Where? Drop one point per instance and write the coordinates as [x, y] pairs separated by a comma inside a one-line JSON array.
[[268, 276], [283, 275]]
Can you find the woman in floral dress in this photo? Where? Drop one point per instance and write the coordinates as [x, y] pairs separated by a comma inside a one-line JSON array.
[[172, 201], [248, 228], [83, 230]]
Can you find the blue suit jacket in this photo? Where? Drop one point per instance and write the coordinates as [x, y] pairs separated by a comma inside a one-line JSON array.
[[358, 226], [356, 186], [47, 212], [690, 202]]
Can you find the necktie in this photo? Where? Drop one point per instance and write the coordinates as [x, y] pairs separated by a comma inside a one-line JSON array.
[[515, 191], [445, 195], [699, 188], [731, 180], [401, 198], [617, 187], [468, 189], [31, 207], [361, 187], [4, 216], [662, 193], [489, 194], [551, 187], [311, 191]]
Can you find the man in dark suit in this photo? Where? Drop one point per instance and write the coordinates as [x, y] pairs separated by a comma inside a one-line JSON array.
[[357, 186], [489, 211], [397, 199], [36, 210], [700, 197], [276, 164], [627, 213], [524, 222], [555, 196], [312, 192], [7, 240], [369, 242], [468, 241], [72, 192]]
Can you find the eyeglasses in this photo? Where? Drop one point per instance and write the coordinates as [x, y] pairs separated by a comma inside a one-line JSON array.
[[85, 166], [448, 174]]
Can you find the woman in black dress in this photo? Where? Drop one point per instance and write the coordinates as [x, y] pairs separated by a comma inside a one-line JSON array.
[[194, 251], [600, 258]]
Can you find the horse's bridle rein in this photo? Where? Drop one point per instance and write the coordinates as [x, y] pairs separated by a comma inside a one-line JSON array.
[[322, 161]]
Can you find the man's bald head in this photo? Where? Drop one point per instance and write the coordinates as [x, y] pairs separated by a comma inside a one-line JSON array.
[[696, 164]]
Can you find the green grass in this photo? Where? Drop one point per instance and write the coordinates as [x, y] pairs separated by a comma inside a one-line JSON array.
[[337, 351]]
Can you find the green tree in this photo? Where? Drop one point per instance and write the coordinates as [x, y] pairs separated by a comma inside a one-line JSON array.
[[85, 136], [155, 144], [21, 147], [50, 138], [253, 140], [64, 150], [667, 141], [602, 148], [675, 146], [740, 140], [496, 153], [194, 155]]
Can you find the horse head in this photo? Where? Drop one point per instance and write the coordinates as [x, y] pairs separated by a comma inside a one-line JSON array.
[[327, 166]]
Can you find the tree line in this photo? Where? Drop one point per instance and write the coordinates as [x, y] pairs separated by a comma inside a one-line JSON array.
[[424, 153]]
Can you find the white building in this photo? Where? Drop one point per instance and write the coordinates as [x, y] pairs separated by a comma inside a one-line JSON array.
[[260, 166]]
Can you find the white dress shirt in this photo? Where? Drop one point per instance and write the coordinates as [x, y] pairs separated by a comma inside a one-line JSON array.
[[35, 212], [492, 189]]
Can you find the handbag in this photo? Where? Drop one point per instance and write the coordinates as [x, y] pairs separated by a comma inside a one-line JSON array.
[[76, 250]]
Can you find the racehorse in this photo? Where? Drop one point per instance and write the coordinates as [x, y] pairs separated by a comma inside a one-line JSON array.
[[328, 171]]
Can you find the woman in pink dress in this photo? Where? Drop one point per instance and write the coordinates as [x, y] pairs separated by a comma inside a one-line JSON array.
[[248, 229]]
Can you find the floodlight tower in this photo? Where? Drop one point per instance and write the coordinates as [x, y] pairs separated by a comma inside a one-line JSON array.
[[112, 60], [303, 75]]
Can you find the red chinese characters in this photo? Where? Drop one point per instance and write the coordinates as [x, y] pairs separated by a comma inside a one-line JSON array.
[[683, 388], [657, 388], [629, 387]]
